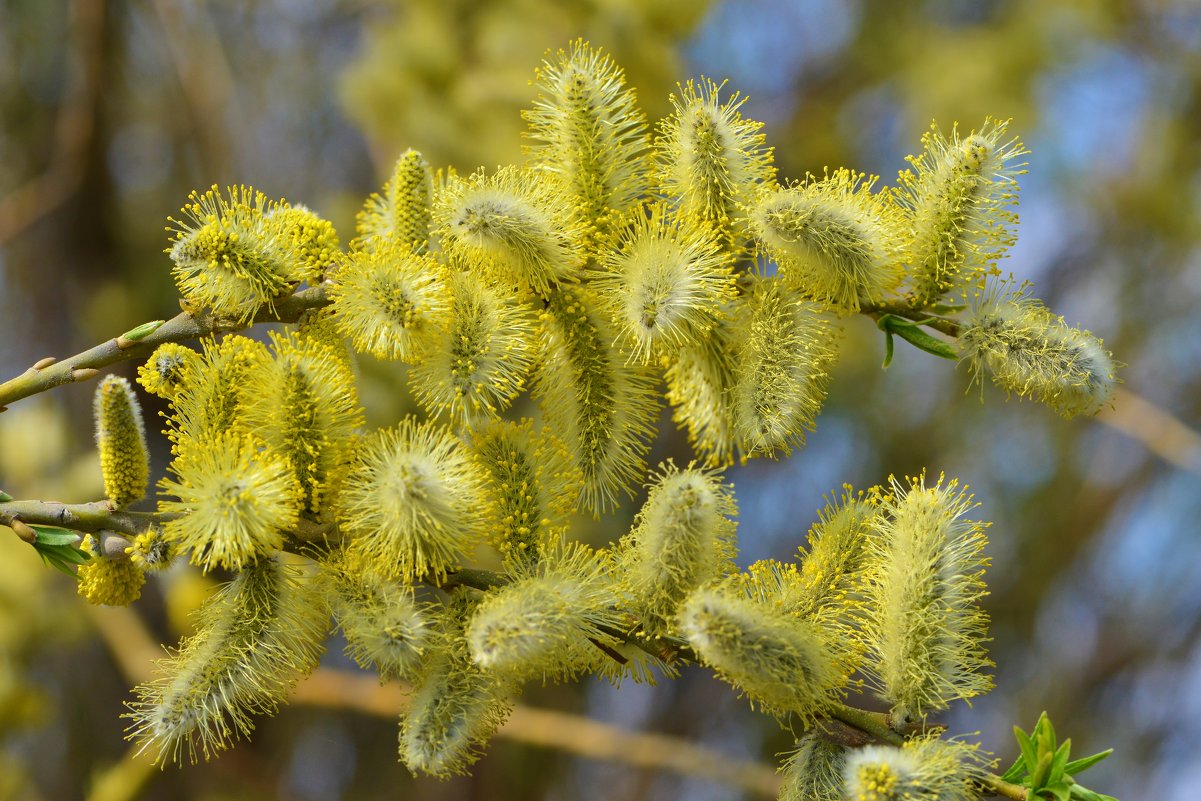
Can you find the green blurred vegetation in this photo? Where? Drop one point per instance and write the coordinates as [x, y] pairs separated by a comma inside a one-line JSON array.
[[114, 109]]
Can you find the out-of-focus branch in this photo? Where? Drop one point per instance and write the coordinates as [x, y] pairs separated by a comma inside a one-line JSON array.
[[1157, 429], [73, 128], [186, 326]]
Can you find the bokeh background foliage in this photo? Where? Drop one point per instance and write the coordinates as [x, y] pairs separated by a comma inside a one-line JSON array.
[[114, 109]]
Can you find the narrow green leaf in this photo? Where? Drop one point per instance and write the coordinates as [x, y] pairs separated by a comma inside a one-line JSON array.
[[1027, 747], [1078, 766], [52, 535], [915, 336], [1060, 761], [142, 331], [5, 497], [58, 564], [1038, 778], [1016, 771], [887, 349]]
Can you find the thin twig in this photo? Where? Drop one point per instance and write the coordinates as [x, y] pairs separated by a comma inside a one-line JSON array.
[[183, 327]]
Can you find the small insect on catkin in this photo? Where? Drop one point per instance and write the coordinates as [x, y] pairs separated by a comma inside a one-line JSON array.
[[414, 501], [814, 772], [121, 438], [664, 286], [781, 662], [924, 628], [235, 501], [228, 255], [163, 373], [959, 200], [780, 370], [590, 136], [401, 214], [682, 538], [924, 769], [389, 301], [834, 239], [509, 228], [1032, 352], [709, 160]]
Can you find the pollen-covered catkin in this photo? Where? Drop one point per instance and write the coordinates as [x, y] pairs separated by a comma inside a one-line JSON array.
[[121, 439], [305, 410], [544, 623], [229, 256], [814, 772], [958, 198], [108, 581], [664, 286], [700, 382], [924, 769], [682, 538], [603, 409], [235, 501], [924, 628], [414, 501], [590, 136], [781, 366], [710, 161], [509, 228], [401, 214], [456, 705], [480, 361], [313, 240], [386, 629], [213, 389], [535, 485], [255, 637], [834, 239], [389, 301], [1032, 352], [782, 663], [832, 569]]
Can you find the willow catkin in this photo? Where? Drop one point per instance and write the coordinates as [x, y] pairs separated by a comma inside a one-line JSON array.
[[814, 771], [255, 637], [401, 214], [121, 440], [924, 769]]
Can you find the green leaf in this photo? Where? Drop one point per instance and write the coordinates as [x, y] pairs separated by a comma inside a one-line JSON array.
[[5, 497], [1061, 790], [52, 535], [142, 331], [1024, 743], [53, 561], [1038, 778], [1016, 771], [910, 331], [1078, 766], [887, 349], [948, 308], [1060, 761]]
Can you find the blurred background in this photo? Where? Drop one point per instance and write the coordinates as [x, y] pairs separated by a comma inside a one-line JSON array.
[[114, 109]]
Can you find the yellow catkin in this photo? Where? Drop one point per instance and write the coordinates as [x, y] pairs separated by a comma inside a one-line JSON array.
[[121, 438], [106, 581], [163, 373], [924, 769], [313, 240], [700, 382], [401, 213], [814, 771]]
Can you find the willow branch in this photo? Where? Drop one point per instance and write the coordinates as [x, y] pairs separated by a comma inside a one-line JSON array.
[[186, 326], [944, 325], [90, 517]]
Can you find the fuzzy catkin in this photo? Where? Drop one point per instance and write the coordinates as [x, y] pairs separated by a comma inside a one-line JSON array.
[[256, 637], [401, 213], [814, 772], [121, 439]]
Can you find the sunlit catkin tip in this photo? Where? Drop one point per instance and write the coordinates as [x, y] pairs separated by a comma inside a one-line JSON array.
[[682, 538], [589, 135], [924, 769], [959, 200], [384, 626], [414, 501], [482, 358], [664, 286], [814, 772], [778, 660], [535, 485], [834, 239], [1035, 354], [213, 387], [401, 213], [254, 638], [925, 630], [781, 370], [228, 255], [106, 581], [709, 160], [235, 500], [163, 373], [509, 228], [121, 438], [833, 568], [389, 301]]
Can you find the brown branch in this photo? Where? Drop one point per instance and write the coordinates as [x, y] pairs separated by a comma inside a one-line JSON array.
[[91, 517], [183, 327]]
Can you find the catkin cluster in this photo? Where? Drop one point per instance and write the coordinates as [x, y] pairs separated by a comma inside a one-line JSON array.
[[619, 265]]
